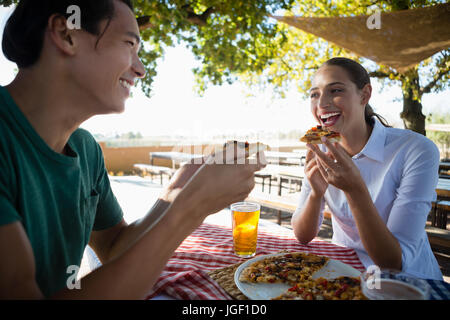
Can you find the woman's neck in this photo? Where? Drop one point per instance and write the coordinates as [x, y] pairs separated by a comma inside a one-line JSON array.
[[354, 141]]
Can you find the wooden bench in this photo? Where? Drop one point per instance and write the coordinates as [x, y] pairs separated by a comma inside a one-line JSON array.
[[154, 170], [280, 204], [442, 210]]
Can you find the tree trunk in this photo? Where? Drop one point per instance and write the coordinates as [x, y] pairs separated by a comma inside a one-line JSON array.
[[412, 115]]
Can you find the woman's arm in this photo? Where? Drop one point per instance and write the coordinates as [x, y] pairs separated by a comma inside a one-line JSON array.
[[307, 219], [380, 244], [306, 223]]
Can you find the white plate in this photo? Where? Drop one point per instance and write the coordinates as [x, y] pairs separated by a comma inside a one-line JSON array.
[[266, 291]]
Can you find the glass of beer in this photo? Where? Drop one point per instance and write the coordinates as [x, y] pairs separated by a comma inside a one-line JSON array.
[[245, 217]]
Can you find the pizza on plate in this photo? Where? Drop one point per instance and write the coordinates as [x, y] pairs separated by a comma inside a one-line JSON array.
[[288, 268], [341, 288], [314, 135], [297, 269]]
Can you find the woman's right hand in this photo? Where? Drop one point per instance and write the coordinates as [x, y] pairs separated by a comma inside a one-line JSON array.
[[318, 184]]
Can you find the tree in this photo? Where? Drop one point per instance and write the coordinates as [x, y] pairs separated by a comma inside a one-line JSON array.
[[303, 53], [235, 39], [228, 37]]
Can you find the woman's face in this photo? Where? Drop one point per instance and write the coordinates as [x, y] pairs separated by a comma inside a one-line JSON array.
[[336, 102]]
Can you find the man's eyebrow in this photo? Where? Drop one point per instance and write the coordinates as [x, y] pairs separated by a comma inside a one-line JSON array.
[[330, 84], [134, 35]]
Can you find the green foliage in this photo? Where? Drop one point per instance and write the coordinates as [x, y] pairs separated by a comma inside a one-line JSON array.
[[235, 39], [440, 138]]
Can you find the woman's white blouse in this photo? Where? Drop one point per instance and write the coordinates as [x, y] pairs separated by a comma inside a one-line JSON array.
[[400, 169]]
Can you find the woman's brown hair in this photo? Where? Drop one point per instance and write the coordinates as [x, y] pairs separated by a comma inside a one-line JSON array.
[[359, 76]]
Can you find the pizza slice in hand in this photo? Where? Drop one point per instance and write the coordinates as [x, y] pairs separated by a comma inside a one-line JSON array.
[[315, 134]]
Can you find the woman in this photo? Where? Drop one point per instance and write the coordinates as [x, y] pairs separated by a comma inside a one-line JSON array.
[[378, 181]]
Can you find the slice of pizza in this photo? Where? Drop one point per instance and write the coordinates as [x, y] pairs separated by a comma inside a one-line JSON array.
[[233, 149], [288, 268], [314, 135], [341, 288]]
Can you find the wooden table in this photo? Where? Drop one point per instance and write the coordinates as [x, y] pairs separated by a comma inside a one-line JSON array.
[[444, 165], [443, 188], [175, 157], [287, 158]]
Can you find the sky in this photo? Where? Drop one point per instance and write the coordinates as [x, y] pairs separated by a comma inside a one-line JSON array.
[[176, 109]]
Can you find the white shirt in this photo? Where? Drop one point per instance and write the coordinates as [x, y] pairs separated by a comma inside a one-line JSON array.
[[400, 169]]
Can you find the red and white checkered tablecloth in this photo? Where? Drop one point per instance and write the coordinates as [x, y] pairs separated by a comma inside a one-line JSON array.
[[210, 247]]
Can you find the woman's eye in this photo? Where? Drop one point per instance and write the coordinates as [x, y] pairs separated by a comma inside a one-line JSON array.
[[131, 43], [314, 95], [336, 90]]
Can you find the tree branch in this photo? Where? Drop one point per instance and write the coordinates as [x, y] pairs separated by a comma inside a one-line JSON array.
[[429, 86], [144, 23], [198, 19], [379, 74], [192, 17]]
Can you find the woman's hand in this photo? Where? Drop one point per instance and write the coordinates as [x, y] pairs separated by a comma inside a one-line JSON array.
[[337, 168], [318, 184]]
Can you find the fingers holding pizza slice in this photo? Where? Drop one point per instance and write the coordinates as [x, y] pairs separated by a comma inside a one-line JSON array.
[[315, 134], [233, 150]]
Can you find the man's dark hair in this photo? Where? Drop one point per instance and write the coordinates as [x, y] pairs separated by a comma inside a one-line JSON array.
[[23, 36]]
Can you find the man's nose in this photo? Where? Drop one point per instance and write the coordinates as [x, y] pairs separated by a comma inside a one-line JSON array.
[[138, 68]]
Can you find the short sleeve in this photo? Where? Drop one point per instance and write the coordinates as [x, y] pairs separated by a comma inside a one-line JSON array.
[[109, 213], [8, 212], [412, 205]]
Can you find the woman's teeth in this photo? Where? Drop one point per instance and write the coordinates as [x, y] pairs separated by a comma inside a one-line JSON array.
[[126, 84], [330, 119]]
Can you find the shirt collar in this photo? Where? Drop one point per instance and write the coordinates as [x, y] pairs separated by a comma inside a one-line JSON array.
[[374, 147]]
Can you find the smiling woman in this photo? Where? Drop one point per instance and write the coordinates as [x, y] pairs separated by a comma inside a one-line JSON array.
[[378, 182]]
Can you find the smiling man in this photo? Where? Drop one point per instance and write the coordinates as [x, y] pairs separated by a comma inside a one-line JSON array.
[[55, 196]]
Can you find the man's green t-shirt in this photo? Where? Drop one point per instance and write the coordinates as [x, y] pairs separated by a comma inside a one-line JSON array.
[[59, 199]]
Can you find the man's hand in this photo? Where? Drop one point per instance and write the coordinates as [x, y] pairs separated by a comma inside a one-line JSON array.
[[179, 180], [216, 186]]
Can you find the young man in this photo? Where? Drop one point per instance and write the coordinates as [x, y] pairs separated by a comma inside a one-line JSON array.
[[55, 196]]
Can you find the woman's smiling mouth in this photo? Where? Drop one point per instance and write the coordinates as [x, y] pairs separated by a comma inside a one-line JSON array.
[[330, 118]]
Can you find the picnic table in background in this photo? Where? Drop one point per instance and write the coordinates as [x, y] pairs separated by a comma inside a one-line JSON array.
[[443, 189], [291, 174], [210, 247], [286, 158], [176, 157], [444, 169]]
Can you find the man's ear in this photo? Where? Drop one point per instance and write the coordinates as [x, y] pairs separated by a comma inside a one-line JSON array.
[[366, 94], [61, 36]]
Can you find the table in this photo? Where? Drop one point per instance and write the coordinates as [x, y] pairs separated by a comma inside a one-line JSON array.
[[444, 165], [175, 157], [443, 188], [288, 158], [209, 247]]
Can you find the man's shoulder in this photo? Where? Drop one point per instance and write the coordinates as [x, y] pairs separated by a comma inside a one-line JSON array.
[[82, 137], [84, 142]]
